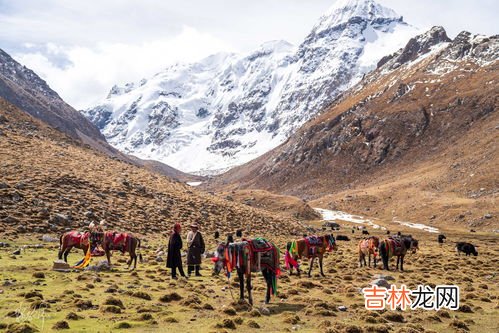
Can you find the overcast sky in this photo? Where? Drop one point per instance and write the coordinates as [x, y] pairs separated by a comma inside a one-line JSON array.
[[82, 48]]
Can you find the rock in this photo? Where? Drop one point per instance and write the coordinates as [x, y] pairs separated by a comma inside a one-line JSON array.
[[61, 325], [4, 185], [99, 267], [385, 277], [159, 259], [10, 220], [2, 244], [61, 219], [49, 239], [61, 266], [264, 311], [8, 283], [20, 186], [21, 328], [381, 283], [17, 252], [342, 308], [488, 216]]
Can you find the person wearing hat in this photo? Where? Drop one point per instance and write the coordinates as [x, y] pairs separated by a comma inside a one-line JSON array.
[[174, 258], [196, 247]]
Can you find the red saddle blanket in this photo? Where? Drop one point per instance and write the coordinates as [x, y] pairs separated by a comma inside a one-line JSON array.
[[117, 240], [76, 237]]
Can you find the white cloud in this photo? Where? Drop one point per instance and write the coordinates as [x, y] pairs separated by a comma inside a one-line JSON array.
[[82, 48], [88, 73]]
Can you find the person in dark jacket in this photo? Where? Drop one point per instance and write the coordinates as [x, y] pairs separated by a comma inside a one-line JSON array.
[[174, 258], [196, 248]]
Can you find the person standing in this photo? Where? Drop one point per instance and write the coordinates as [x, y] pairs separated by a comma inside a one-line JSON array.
[[174, 258], [196, 248]]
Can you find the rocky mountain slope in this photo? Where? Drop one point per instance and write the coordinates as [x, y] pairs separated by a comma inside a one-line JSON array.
[[22, 87], [416, 138], [25, 89], [230, 108], [50, 183]]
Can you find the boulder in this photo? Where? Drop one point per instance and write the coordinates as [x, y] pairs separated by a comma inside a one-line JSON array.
[[49, 239], [381, 283]]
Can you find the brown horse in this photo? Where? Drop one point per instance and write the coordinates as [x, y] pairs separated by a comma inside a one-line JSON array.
[[123, 242], [247, 256], [397, 246], [79, 240], [72, 239], [310, 247], [367, 247]]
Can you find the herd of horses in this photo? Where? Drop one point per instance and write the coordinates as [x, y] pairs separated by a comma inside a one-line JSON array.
[[250, 255]]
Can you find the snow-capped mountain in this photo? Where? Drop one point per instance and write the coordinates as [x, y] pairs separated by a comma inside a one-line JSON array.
[[227, 109]]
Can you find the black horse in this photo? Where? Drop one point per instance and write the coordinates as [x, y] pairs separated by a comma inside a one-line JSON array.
[[397, 246], [246, 257]]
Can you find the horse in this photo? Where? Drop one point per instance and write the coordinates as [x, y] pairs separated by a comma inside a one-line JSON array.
[[397, 246], [79, 240], [368, 246], [310, 247], [247, 256], [123, 242]]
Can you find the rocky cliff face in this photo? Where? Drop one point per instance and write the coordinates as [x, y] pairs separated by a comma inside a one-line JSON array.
[[229, 108], [416, 106]]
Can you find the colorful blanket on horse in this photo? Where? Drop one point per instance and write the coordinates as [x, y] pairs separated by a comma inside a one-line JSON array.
[[252, 255], [394, 245], [77, 237], [117, 240]]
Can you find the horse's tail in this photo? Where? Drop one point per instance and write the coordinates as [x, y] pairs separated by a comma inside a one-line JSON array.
[[59, 254], [138, 249]]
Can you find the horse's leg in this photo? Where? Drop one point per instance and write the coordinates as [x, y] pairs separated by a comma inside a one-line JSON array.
[[375, 260], [369, 259], [66, 252], [108, 256], [249, 287], [310, 263], [240, 274], [267, 274], [398, 260], [402, 263], [298, 272], [320, 265], [360, 258]]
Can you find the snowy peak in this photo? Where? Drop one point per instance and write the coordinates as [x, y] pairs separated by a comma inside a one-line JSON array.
[[416, 47], [344, 11], [229, 108]]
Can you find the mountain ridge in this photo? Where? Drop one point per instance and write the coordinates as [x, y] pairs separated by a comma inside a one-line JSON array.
[[425, 104], [228, 108]]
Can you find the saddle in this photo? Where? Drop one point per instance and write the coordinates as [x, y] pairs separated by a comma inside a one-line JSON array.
[[118, 240], [396, 244], [313, 242], [251, 255], [260, 245], [76, 237]]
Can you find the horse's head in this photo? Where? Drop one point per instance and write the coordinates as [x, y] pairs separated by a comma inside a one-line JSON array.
[[96, 237], [219, 258], [331, 242], [414, 245]]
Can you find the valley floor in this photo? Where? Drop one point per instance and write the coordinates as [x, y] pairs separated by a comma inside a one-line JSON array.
[[148, 300]]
